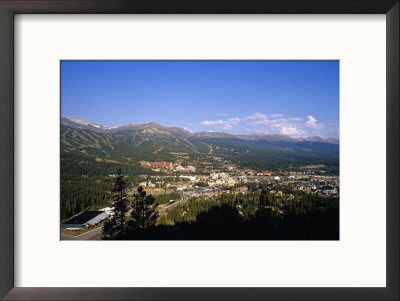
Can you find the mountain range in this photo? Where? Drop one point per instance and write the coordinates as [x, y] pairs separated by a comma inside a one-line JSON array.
[[89, 148], [153, 127]]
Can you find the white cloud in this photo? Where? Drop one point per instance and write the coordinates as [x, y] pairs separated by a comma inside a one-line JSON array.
[[213, 122], [286, 127], [234, 120], [259, 123], [313, 123], [230, 121], [257, 119], [256, 116], [292, 130]]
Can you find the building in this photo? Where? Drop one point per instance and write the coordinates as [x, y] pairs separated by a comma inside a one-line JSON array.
[[157, 166], [97, 219], [84, 220], [190, 178], [147, 184]]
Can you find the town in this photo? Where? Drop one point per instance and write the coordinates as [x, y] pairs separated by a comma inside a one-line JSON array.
[[228, 177], [203, 181]]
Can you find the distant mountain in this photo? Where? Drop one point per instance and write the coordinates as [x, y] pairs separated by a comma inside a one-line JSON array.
[[268, 137], [151, 128], [133, 141], [83, 141], [212, 135], [332, 140], [319, 139], [155, 129], [83, 124]]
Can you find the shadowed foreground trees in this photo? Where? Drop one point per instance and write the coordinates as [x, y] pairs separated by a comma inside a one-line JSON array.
[[225, 222], [115, 227], [144, 214]]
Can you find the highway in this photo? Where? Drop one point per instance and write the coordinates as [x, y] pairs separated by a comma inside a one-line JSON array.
[[173, 205]]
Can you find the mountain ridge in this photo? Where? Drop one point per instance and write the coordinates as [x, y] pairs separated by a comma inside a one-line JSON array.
[[154, 127], [89, 147]]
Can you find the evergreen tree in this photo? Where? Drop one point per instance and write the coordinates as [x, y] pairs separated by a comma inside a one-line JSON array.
[[121, 202], [115, 228], [144, 211]]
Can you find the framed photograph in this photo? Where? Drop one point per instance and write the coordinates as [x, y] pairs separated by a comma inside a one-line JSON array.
[[200, 169], [199, 150]]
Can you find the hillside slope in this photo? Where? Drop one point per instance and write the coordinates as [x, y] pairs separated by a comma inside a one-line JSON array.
[[84, 146]]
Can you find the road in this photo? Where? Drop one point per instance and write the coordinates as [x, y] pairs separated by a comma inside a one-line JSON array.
[[83, 236], [173, 205], [90, 234]]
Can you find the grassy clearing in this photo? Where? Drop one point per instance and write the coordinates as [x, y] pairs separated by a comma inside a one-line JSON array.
[[106, 160], [312, 166]]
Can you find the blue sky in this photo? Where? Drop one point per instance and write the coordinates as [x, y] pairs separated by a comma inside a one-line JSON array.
[[295, 98]]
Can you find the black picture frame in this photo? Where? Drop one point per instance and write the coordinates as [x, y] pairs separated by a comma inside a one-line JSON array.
[[8, 8]]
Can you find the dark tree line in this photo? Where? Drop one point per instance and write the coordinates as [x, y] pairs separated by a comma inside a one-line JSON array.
[[256, 215]]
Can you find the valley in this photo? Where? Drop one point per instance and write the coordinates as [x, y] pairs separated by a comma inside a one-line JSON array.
[[182, 170]]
